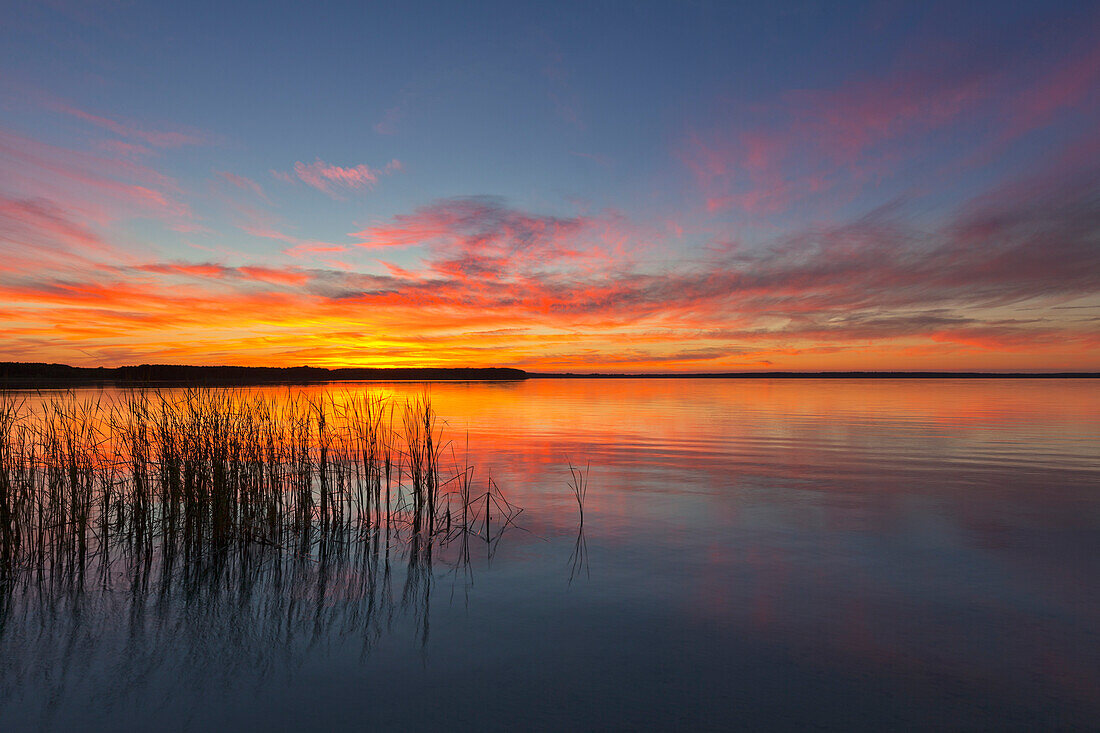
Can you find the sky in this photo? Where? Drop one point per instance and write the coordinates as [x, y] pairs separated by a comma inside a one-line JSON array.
[[594, 186]]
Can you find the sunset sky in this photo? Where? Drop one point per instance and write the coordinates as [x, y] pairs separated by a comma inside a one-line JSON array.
[[694, 186]]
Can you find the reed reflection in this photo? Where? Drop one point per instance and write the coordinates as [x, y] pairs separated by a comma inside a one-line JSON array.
[[229, 533], [578, 486]]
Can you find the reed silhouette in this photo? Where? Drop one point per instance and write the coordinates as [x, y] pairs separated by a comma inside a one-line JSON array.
[[171, 476], [228, 530], [578, 487]]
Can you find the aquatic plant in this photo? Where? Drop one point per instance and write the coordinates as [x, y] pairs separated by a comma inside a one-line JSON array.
[[199, 471], [578, 487]]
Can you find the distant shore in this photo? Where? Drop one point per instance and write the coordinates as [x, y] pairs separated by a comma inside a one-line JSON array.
[[29, 375], [819, 375], [40, 375]]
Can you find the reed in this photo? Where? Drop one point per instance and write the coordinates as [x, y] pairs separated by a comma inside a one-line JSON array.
[[578, 487], [240, 524], [199, 472]]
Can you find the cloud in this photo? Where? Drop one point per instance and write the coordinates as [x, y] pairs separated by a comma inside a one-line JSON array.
[[566, 101], [333, 180], [299, 247], [1067, 84], [42, 223], [101, 187], [807, 142], [388, 124], [243, 183], [124, 149], [958, 106], [131, 130], [495, 283], [601, 160], [288, 276], [480, 236]]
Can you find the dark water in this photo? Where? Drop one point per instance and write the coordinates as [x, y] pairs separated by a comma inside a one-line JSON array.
[[790, 554]]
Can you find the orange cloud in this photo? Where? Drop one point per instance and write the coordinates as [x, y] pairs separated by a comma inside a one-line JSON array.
[[495, 284]]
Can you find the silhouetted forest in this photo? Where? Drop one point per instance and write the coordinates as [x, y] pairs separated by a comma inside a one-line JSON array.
[[20, 374]]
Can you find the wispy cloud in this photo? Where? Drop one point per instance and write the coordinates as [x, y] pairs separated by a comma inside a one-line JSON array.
[[40, 222], [299, 247], [124, 149], [243, 183], [566, 101], [246, 273], [480, 280], [102, 187], [392, 118], [335, 180], [602, 160], [130, 130], [811, 141], [766, 157], [500, 284]]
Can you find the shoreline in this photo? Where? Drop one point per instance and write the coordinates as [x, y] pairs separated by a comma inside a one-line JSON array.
[[22, 375]]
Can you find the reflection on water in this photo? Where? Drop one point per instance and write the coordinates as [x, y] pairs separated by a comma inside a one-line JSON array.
[[791, 553]]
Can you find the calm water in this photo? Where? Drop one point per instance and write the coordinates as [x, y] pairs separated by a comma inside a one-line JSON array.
[[785, 554]]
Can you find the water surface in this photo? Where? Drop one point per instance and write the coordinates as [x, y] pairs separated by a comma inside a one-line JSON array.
[[833, 554]]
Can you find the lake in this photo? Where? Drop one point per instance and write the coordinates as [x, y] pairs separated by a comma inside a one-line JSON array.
[[836, 554]]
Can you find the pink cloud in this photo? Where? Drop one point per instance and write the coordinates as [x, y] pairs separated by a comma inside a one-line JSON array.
[[810, 141], [398, 272], [485, 265], [601, 160], [1068, 85], [254, 273], [566, 102], [124, 149], [131, 130], [200, 269], [388, 124], [797, 147], [333, 179], [103, 188], [392, 117], [876, 280], [243, 183], [278, 276], [314, 248], [300, 247], [26, 221], [481, 238], [36, 234]]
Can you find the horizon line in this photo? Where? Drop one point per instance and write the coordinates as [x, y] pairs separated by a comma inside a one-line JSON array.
[[53, 371]]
